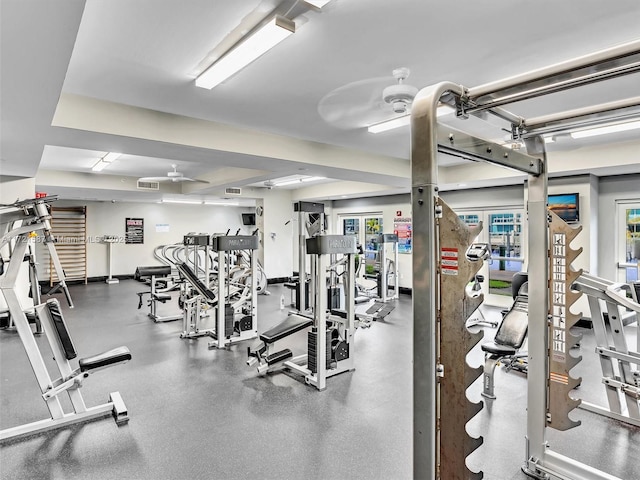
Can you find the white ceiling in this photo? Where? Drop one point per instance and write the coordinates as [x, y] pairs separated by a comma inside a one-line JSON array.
[[145, 54]]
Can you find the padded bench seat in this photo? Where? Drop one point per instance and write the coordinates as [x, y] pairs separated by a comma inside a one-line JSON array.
[[105, 359], [153, 270], [496, 349], [292, 324]]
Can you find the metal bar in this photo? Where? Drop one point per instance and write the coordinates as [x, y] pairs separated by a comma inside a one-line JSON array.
[[424, 180], [538, 309], [592, 407], [557, 70], [586, 79], [457, 143], [51, 423], [543, 121], [570, 469]]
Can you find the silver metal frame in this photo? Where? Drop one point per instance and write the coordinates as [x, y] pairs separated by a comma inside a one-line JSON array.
[[426, 142], [224, 267], [34, 216]]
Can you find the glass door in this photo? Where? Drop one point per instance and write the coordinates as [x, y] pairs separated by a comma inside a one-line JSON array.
[[502, 230], [628, 233]]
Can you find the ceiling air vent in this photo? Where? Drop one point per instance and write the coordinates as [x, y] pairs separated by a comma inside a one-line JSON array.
[[148, 185], [233, 191]]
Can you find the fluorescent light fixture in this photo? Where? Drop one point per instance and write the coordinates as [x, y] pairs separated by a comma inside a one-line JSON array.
[[224, 204], [404, 121], [317, 3], [297, 180], [99, 166], [105, 161], [110, 157], [246, 51], [619, 127], [187, 202]]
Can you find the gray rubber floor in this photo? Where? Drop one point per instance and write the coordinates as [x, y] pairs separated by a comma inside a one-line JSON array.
[[198, 413]]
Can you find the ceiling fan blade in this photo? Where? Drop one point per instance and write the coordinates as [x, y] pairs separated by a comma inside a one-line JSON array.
[[187, 179], [357, 104]]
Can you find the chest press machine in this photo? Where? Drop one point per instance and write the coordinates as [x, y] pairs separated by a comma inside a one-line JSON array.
[[329, 335], [35, 217]]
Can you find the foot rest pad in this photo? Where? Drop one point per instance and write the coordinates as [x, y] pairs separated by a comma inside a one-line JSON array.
[[162, 298], [105, 359], [278, 356]]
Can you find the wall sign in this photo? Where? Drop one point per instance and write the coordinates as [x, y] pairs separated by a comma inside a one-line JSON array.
[[402, 228], [134, 231]]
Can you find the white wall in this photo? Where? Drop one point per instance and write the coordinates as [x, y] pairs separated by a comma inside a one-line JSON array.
[[16, 188], [106, 218]]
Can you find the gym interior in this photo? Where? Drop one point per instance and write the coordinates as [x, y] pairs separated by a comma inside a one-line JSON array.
[[233, 249]]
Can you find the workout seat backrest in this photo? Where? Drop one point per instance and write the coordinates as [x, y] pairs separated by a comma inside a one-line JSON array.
[[635, 291], [518, 280], [61, 329], [193, 279], [513, 329]]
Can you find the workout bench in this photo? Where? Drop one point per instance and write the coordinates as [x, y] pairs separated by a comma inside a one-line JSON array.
[[70, 380], [156, 275]]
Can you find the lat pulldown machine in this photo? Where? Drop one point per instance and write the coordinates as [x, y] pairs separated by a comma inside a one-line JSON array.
[[35, 217], [441, 374]]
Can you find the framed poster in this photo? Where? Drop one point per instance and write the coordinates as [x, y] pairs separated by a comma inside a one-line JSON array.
[[134, 231], [402, 228]]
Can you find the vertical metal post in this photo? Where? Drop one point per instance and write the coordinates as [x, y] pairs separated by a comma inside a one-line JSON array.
[[424, 179], [320, 311], [7, 285], [302, 267], [538, 268], [223, 269]]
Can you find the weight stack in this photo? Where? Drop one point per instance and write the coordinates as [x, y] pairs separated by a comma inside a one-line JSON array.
[[312, 348], [228, 320]]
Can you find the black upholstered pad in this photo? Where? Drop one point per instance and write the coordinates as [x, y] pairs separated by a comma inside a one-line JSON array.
[[153, 270], [494, 348], [292, 324], [110, 357], [198, 284]]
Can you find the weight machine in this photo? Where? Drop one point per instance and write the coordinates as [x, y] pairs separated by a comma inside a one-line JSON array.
[[330, 338], [158, 277], [35, 217], [229, 331], [441, 342], [310, 223], [388, 267]]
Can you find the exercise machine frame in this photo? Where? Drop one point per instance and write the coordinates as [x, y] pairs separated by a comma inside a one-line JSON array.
[[427, 141], [36, 217], [224, 246], [313, 365]]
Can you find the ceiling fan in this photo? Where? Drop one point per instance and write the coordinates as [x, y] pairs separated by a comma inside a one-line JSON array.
[[174, 176], [367, 102]]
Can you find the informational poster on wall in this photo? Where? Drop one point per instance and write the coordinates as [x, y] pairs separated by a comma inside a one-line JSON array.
[[402, 228], [134, 231]]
